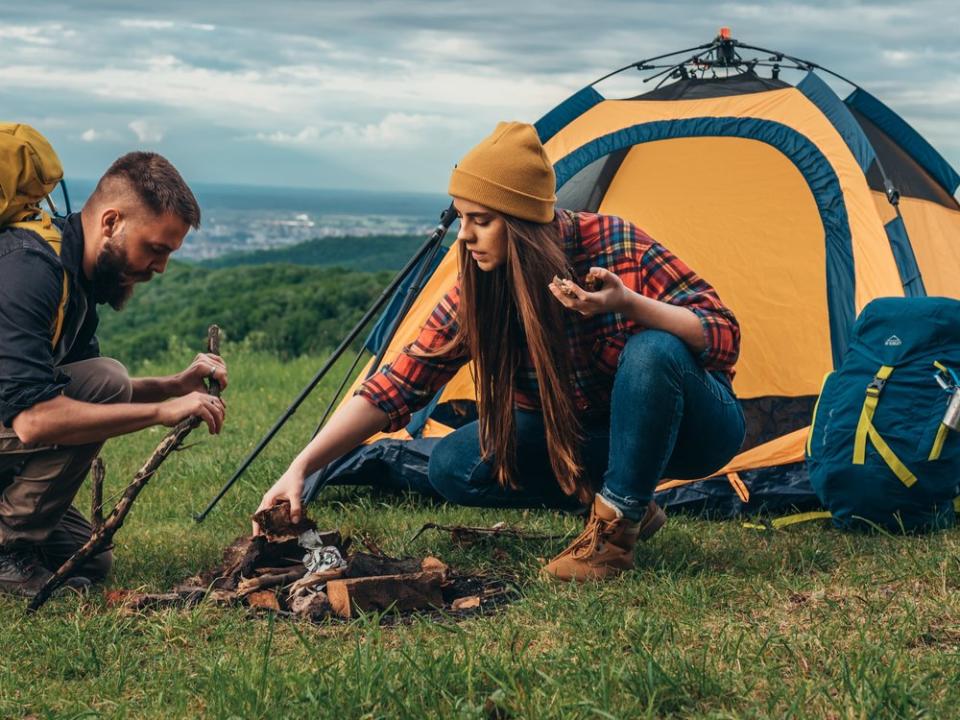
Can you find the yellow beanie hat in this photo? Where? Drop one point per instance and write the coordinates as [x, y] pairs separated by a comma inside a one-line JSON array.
[[508, 172]]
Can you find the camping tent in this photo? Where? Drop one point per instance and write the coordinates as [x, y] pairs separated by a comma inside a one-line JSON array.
[[797, 205]]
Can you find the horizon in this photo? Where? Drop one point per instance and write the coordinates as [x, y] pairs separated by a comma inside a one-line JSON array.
[[200, 185]]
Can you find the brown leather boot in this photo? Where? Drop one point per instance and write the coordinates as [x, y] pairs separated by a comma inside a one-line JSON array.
[[22, 574], [605, 547]]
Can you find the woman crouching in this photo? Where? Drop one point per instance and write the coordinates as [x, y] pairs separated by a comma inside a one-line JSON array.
[[602, 364]]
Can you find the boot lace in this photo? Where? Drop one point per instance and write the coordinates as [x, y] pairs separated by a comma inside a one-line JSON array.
[[592, 538]]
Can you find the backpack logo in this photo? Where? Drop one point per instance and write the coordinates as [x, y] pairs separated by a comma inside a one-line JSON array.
[[893, 341]]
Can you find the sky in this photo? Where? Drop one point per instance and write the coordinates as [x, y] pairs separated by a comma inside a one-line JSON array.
[[389, 95]]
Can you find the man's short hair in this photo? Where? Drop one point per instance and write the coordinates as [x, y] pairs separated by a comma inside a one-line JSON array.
[[157, 184]]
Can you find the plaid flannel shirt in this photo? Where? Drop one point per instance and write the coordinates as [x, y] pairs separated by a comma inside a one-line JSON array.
[[410, 383]]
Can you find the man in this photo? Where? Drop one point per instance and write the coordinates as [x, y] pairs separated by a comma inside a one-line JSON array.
[[59, 399]]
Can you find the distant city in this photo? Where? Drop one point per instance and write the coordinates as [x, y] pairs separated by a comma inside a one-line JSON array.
[[244, 219]]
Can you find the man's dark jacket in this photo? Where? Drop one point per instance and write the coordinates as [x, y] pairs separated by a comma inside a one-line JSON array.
[[31, 287]]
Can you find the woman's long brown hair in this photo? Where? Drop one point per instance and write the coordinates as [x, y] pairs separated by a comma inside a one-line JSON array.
[[498, 310]]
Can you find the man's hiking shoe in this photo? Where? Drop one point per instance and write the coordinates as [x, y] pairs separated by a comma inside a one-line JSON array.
[[605, 547], [22, 574]]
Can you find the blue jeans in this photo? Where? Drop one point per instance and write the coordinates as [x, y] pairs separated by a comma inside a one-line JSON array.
[[668, 418]]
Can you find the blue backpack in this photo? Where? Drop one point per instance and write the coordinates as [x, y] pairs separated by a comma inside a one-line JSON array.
[[878, 452]]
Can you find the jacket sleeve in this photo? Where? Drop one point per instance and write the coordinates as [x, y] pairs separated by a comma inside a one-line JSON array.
[[30, 293], [409, 382], [663, 276]]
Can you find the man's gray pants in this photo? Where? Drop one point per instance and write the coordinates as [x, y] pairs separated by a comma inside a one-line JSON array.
[[38, 482]]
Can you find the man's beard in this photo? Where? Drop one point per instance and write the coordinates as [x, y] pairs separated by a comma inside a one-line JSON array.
[[111, 283]]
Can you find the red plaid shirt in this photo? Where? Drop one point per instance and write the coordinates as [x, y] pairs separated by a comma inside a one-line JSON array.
[[589, 239]]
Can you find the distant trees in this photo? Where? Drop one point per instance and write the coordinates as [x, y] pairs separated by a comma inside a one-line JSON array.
[[377, 252], [284, 309]]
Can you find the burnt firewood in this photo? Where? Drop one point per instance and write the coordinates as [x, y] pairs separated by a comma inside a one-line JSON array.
[[275, 522], [314, 606], [263, 600], [366, 565], [412, 591], [244, 557]]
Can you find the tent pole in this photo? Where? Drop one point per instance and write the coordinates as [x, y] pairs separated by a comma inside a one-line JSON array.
[[446, 220], [412, 292]]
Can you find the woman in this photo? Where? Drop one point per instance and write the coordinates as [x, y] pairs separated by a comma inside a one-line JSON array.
[[588, 396]]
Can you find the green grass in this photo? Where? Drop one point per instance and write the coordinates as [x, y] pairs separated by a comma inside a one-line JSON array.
[[717, 621]]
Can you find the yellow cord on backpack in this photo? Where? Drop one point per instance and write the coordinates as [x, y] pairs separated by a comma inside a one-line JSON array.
[[865, 430], [787, 520]]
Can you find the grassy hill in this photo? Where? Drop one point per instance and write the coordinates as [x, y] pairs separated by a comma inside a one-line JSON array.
[[285, 309], [378, 252], [716, 622]]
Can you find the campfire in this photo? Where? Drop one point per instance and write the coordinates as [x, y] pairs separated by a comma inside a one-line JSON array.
[[300, 571]]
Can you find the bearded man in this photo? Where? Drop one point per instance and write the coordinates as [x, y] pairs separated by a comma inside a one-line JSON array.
[[59, 399]]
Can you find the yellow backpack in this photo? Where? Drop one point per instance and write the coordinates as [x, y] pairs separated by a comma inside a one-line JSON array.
[[29, 172]]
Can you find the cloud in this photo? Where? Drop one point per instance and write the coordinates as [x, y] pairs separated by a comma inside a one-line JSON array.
[[92, 135], [394, 130], [33, 34], [157, 24], [146, 131], [309, 134], [143, 24]]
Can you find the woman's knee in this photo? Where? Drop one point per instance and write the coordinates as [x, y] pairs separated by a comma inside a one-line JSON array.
[[450, 471], [655, 352]]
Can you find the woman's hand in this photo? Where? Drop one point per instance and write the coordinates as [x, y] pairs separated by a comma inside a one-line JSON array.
[[288, 487], [610, 297]]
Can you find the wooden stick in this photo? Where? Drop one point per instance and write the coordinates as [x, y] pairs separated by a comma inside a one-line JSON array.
[[96, 509], [460, 532], [103, 534], [245, 587], [312, 580]]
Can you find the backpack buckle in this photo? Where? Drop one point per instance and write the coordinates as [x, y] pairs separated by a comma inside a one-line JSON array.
[[876, 385]]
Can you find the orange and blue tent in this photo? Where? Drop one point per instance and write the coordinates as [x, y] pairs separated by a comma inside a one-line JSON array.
[[798, 205]]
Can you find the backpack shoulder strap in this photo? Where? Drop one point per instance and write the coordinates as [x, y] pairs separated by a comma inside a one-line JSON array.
[[50, 233], [866, 429]]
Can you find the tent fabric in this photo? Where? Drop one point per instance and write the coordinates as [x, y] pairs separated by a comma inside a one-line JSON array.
[[577, 104], [378, 335], [935, 239], [698, 88], [904, 257], [820, 94], [778, 196], [905, 136], [766, 237], [816, 170]]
